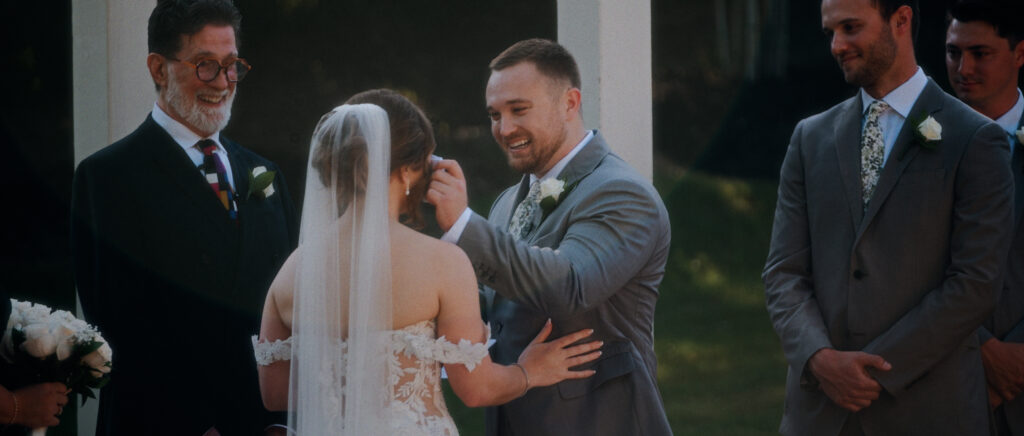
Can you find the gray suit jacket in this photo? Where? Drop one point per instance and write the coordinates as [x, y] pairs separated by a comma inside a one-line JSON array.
[[595, 261], [1007, 322], [909, 279]]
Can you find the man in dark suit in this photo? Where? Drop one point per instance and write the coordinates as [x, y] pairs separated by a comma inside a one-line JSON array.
[[589, 252], [891, 228], [177, 234], [984, 54]]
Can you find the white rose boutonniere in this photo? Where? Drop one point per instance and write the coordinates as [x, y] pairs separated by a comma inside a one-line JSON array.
[[1020, 135], [927, 133], [930, 131], [552, 191], [261, 182]]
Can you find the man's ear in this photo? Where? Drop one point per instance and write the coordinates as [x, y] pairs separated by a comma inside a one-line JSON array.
[[903, 20], [157, 65], [573, 100], [1018, 55]]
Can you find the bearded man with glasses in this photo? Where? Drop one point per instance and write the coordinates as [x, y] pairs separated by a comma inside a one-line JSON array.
[[177, 233]]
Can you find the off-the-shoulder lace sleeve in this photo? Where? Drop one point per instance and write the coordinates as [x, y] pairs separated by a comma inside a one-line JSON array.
[[440, 349], [270, 352]]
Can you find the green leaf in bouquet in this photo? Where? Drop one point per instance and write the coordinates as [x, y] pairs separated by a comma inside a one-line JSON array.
[[86, 394], [83, 349]]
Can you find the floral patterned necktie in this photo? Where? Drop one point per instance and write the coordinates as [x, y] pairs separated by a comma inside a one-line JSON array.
[[872, 150], [522, 219], [216, 176]]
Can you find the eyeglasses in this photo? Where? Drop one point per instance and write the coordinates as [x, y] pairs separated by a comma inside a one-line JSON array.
[[208, 69]]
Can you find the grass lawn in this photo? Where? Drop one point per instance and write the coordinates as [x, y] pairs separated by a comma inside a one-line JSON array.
[[720, 365]]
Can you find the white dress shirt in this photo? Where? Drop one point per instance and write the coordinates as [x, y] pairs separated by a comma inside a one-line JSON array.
[[187, 139], [453, 234], [1010, 120], [901, 100]]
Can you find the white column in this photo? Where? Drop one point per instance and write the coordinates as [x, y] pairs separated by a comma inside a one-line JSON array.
[[611, 41], [112, 90]]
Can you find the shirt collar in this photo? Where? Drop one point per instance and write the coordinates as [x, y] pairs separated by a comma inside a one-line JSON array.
[[902, 98], [1011, 120], [555, 170], [181, 134]]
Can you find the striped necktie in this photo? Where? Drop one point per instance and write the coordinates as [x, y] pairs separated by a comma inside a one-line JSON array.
[[216, 176]]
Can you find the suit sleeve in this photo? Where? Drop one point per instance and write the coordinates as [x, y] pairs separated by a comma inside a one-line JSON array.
[[979, 243], [612, 234], [789, 287], [84, 246]]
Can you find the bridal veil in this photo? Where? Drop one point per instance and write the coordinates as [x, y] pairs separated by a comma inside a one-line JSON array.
[[339, 374]]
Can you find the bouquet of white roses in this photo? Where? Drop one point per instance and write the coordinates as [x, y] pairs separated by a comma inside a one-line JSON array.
[[42, 345]]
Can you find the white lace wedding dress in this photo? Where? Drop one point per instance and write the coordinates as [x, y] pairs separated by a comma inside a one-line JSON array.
[[414, 360]]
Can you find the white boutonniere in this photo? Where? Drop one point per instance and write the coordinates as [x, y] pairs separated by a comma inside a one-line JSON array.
[[927, 134], [261, 182], [1020, 135], [552, 191]]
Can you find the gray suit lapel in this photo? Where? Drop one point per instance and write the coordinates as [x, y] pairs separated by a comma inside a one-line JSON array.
[[579, 167], [903, 151], [848, 131]]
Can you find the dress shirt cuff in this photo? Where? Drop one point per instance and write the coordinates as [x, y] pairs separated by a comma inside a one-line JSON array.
[[453, 234]]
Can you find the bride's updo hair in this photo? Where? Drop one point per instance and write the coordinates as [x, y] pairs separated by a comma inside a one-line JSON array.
[[412, 142]]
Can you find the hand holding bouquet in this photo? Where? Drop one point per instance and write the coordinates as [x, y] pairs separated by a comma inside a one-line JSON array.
[[42, 346]]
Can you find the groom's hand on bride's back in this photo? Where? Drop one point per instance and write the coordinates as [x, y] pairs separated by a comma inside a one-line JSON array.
[[447, 192]]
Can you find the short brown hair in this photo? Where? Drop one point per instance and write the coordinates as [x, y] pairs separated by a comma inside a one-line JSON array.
[[412, 142], [550, 58]]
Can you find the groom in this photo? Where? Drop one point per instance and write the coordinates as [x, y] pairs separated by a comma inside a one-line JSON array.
[[984, 55], [175, 241], [582, 239], [888, 243]]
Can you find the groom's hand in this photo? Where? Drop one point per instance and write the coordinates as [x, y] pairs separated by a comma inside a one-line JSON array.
[[844, 377], [1004, 367], [448, 192]]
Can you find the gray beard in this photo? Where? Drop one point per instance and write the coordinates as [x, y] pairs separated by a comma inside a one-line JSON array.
[[207, 120]]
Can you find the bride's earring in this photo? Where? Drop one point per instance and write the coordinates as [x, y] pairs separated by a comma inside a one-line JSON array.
[[406, 188]]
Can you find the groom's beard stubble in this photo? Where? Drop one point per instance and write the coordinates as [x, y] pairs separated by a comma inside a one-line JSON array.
[[205, 119], [878, 58]]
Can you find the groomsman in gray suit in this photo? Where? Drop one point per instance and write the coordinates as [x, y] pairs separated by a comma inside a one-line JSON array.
[[891, 229], [984, 54], [582, 240]]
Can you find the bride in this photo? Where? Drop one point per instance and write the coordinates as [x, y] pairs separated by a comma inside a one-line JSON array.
[[364, 312]]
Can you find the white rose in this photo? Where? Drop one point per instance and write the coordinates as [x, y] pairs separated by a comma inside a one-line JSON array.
[[64, 335], [551, 188], [39, 342], [268, 191], [930, 129], [35, 313], [98, 359], [1020, 135], [258, 170]]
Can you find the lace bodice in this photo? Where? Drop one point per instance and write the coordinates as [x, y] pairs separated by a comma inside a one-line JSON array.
[[414, 363]]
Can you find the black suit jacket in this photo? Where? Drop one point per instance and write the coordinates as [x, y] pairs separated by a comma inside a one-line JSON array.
[[175, 285], [1007, 322]]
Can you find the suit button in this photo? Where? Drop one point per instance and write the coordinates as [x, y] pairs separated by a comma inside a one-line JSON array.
[[858, 274]]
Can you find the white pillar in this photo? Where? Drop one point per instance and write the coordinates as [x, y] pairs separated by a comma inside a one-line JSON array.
[[112, 90], [611, 41]]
